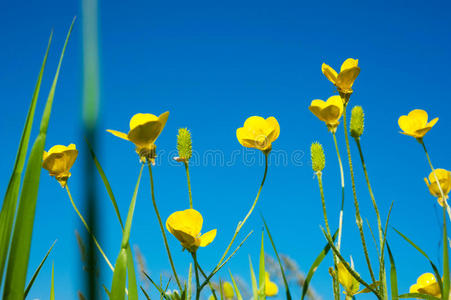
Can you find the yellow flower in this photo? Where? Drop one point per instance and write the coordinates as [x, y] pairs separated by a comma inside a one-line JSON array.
[[227, 290], [345, 79], [186, 226], [258, 133], [416, 123], [271, 289], [444, 178], [58, 161], [426, 284], [329, 111], [349, 283], [144, 130]]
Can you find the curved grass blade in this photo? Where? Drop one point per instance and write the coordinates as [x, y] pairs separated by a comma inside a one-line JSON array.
[[393, 275], [8, 211], [190, 282], [285, 282], [119, 276], [418, 296], [52, 287], [434, 267], [35, 275], [23, 229], [315, 266], [132, 286], [254, 280], [235, 287]]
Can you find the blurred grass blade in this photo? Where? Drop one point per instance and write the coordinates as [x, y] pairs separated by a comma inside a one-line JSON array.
[[132, 286], [162, 292], [445, 291], [221, 289], [35, 275], [253, 280], [315, 266], [8, 211], [52, 287], [393, 275], [418, 296], [107, 291], [262, 271], [106, 183], [21, 242], [434, 267], [287, 289], [119, 276], [145, 293], [235, 287]]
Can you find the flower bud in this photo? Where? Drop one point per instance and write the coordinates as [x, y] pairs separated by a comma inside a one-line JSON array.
[[184, 144], [357, 121], [318, 158]]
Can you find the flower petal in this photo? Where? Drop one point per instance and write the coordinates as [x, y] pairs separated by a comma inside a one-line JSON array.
[[346, 78], [118, 134], [140, 119], [207, 238], [349, 63], [419, 116], [276, 128], [330, 73]]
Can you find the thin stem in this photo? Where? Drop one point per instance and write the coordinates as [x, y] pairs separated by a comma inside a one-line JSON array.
[[88, 229], [241, 223], [207, 280], [340, 224], [162, 228], [198, 288], [189, 184], [356, 202]]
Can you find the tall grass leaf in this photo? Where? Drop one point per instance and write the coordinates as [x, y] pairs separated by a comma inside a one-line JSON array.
[[315, 266], [235, 287], [262, 271], [434, 267], [285, 281], [418, 296], [446, 283], [393, 275], [8, 211], [52, 287], [145, 293], [132, 286], [119, 276], [159, 288], [253, 280], [190, 282], [221, 289], [35, 275], [106, 291], [23, 229], [106, 183]]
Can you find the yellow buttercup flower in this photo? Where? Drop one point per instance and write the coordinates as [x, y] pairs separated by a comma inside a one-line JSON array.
[[426, 284], [349, 283], [416, 123], [227, 290], [444, 178], [345, 79], [271, 289], [186, 226], [258, 133], [58, 161], [329, 111], [144, 130]]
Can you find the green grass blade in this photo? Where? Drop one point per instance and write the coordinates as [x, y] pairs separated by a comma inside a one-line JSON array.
[[285, 281], [235, 287], [393, 275], [159, 288], [21, 241], [119, 276], [262, 271], [132, 286], [253, 280], [434, 267], [36, 273], [106, 291], [445, 293], [8, 211], [221, 289], [52, 287], [190, 282], [418, 296], [315, 266], [106, 183], [145, 293]]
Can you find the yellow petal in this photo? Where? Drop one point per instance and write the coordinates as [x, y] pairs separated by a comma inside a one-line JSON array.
[[349, 63], [118, 134], [276, 128], [145, 128], [188, 221], [330, 73], [419, 116], [346, 78], [432, 123], [207, 238], [271, 289], [413, 288], [316, 106], [140, 119]]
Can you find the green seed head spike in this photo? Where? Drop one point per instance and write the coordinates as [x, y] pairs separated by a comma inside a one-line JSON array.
[[318, 158], [357, 121], [184, 144]]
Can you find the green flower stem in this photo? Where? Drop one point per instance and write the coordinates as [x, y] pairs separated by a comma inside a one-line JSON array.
[[88, 229], [207, 280], [241, 223], [356, 202], [336, 286], [189, 184], [379, 223], [446, 283], [198, 287], [162, 228], [340, 224]]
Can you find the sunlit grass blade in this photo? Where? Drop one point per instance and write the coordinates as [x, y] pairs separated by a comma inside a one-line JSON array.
[[221, 289], [315, 266], [190, 282], [393, 275], [287, 289], [253, 280], [262, 271], [21, 242], [106, 183], [434, 267], [52, 287], [418, 296], [132, 286], [35, 275], [8, 211], [235, 287]]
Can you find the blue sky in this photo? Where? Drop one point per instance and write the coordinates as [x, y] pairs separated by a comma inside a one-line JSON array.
[[212, 65]]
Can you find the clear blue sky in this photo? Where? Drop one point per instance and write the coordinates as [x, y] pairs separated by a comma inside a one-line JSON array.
[[212, 64]]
